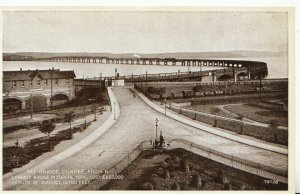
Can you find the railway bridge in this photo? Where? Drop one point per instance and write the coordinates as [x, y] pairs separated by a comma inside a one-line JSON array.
[[234, 69]]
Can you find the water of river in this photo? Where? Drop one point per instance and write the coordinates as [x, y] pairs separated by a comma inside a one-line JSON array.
[[278, 67]]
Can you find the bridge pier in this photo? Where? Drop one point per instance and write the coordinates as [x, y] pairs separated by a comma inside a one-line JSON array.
[[23, 104], [214, 77], [234, 75], [249, 74], [48, 102]]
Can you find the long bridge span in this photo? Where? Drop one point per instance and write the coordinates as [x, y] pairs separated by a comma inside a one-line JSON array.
[[155, 61], [250, 69], [228, 70]]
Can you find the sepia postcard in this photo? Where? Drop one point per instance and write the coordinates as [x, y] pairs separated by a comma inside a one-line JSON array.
[[158, 98]]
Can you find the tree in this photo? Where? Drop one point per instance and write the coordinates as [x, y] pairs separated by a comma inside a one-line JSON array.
[[220, 177], [46, 127], [196, 180], [175, 186], [147, 186], [215, 111], [69, 118], [274, 124], [94, 109]]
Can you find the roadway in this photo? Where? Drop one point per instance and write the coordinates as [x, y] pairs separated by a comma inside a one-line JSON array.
[[135, 124]]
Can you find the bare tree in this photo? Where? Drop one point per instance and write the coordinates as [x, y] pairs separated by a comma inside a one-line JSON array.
[[274, 125], [94, 109], [46, 127], [69, 117]]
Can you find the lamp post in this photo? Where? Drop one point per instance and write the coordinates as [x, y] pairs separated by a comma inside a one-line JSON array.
[[31, 106], [156, 125], [195, 112], [200, 71], [260, 87], [114, 110], [165, 106], [84, 114]]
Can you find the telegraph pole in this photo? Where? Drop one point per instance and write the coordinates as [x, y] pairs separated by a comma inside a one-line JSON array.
[[147, 82], [260, 87], [114, 110], [156, 125], [84, 114], [200, 71], [165, 105], [31, 106], [51, 87], [195, 111]]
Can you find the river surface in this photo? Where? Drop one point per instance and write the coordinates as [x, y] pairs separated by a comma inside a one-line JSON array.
[[278, 67]]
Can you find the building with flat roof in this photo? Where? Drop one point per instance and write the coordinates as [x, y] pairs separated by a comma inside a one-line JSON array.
[[37, 88]]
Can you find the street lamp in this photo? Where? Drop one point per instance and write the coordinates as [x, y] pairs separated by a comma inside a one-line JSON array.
[[200, 71], [165, 106], [31, 106], [195, 112], [156, 125], [84, 115], [114, 110]]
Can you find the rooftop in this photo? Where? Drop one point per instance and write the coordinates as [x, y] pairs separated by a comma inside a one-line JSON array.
[[23, 75]]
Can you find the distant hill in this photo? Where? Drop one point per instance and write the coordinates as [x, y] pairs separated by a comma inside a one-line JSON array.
[[27, 56]]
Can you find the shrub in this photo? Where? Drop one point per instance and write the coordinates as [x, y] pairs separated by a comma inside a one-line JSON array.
[[220, 177], [185, 166], [147, 186], [164, 165], [196, 180], [184, 185], [175, 186], [227, 186], [167, 174]]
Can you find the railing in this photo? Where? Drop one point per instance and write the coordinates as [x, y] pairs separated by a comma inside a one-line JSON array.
[[234, 162], [236, 159], [117, 167]]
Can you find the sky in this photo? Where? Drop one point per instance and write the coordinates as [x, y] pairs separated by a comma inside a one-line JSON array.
[[144, 32]]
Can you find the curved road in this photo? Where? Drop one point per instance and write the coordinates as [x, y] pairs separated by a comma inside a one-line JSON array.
[[136, 124]]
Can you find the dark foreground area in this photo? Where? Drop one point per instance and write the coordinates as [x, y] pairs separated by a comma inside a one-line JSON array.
[[179, 169]]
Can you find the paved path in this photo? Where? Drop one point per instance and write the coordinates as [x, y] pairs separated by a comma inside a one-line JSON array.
[[136, 124], [246, 120]]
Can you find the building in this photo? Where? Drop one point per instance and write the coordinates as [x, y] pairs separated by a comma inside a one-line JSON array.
[[37, 88]]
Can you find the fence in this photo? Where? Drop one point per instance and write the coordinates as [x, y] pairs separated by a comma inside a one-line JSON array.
[[274, 135], [116, 168], [234, 161]]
